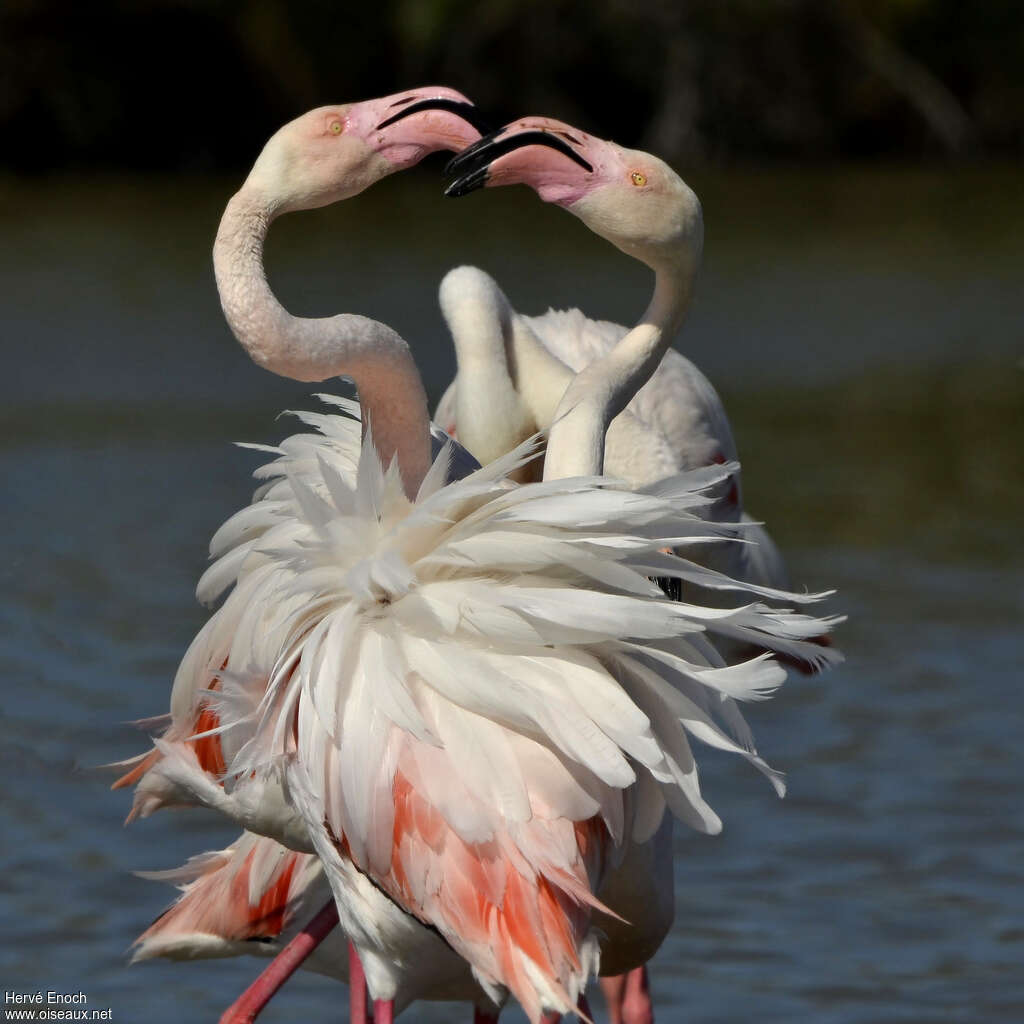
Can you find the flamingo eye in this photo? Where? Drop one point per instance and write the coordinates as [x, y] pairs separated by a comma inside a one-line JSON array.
[[638, 179], [335, 127]]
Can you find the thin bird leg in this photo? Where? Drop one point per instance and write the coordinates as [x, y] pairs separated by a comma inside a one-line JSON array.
[[613, 988], [637, 1006], [251, 1002], [357, 999], [384, 1011]]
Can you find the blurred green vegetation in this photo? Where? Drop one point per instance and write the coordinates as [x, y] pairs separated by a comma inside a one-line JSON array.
[[182, 84]]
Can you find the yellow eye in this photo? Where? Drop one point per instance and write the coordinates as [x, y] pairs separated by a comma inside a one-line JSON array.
[[336, 127], [638, 179]]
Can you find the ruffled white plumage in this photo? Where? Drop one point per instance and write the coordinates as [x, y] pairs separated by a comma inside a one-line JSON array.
[[501, 644]]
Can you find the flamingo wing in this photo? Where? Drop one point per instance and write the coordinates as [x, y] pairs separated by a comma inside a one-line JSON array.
[[463, 686]]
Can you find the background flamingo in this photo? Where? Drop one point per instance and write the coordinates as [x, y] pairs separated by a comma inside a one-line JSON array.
[[510, 368], [514, 369]]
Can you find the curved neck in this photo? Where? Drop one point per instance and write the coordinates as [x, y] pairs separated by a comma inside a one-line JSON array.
[[507, 378], [489, 412], [603, 389], [391, 393]]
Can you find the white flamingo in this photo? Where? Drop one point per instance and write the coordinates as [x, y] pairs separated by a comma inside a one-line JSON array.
[[326, 155], [183, 769], [512, 372], [188, 762], [508, 683], [514, 369], [424, 622]]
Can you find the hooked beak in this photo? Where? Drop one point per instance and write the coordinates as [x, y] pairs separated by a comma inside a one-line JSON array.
[[542, 153], [405, 127], [460, 108]]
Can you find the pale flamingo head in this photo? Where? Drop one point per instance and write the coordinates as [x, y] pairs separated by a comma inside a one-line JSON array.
[[336, 152], [631, 198]]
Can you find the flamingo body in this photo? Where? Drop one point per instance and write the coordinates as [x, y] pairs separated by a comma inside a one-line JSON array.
[[469, 690], [460, 799]]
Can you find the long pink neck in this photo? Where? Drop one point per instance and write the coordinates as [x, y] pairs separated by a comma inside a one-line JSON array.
[[390, 389]]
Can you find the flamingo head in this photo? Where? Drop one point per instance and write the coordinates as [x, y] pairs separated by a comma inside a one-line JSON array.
[[336, 152], [631, 198]]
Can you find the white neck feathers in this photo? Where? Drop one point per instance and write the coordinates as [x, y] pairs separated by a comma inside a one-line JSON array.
[[604, 388]]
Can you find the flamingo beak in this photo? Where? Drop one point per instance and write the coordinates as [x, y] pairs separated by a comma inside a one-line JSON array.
[[460, 108], [406, 127], [537, 152]]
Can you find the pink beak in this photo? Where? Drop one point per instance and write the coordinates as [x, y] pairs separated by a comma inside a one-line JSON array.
[[555, 159], [407, 126]]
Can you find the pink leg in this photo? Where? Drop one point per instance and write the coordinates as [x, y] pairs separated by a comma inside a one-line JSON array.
[[251, 1002], [637, 1007], [356, 988], [613, 988], [384, 1011]]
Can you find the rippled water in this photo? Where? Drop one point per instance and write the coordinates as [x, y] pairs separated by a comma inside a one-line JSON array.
[[866, 331]]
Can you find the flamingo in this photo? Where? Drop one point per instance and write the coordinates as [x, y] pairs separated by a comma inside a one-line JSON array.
[[340, 151], [300, 462], [418, 584], [500, 355], [528, 681], [188, 762], [512, 370]]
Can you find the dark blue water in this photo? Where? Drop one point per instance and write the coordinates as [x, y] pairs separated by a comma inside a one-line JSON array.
[[866, 331]]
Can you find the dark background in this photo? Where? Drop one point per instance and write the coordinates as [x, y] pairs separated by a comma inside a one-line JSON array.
[[199, 84]]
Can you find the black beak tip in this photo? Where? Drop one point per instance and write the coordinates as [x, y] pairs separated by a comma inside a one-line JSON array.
[[469, 182], [471, 156], [482, 153]]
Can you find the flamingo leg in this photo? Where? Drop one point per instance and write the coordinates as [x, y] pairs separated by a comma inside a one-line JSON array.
[[384, 1011], [628, 997], [637, 1007], [248, 1006], [357, 998], [613, 988]]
